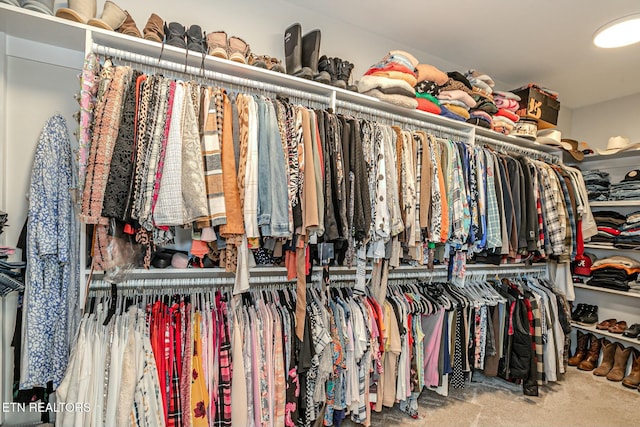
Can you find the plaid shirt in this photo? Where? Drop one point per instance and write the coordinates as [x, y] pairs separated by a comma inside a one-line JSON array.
[[553, 225], [494, 238]]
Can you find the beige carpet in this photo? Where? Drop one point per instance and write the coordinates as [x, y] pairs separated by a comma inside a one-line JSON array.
[[581, 399]]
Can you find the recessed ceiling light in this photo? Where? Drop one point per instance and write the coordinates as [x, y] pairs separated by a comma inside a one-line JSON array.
[[618, 33]]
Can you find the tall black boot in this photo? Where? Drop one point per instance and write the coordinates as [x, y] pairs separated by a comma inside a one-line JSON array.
[[293, 49], [310, 53]]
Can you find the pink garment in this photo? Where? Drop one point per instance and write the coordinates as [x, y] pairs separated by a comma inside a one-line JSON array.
[[458, 95], [432, 328]]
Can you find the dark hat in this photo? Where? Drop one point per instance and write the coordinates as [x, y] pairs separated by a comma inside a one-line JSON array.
[[633, 175]]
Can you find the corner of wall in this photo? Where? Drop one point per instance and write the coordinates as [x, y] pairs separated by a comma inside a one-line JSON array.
[[565, 122]]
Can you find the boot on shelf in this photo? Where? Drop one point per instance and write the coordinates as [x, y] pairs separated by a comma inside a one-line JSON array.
[[310, 54], [78, 11], [578, 311], [591, 361], [608, 354], [633, 379], [326, 70], [293, 49], [154, 30], [619, 364], [581, 349]]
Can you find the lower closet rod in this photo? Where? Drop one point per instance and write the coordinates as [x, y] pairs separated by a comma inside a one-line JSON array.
[[213, 75]]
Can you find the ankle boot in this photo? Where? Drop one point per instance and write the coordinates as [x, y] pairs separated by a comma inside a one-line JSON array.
[[608, 353], [153, 30], [129, 27], [581, 348], [78, 11], [619, 364], [589, 317], [633, 379], [293, 49], [326, 70], [591, 361], [335, 78], [175, 35], [310, 53], [195, 39], [112, 17], [238, 49], [217, 44], [344, 74]]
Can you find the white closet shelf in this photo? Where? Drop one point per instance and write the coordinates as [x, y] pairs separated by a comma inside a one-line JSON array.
[[615, 203], [606, 290], [607, 248], [618, 337]]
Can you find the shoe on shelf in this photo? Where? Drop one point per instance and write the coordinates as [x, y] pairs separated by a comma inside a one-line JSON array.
[[632, 331], [78, 11], [217, 44], [310, 54], [112, 17], [154, 30], [581, 348], [196, 41], [326, 70], [608, 354], [619, 327], [633, 379], [578, 311], [590, 362], [129, 27], [606, 324], [293, 49], [238, 50], [174, 35], [619, 363], [589, 317]]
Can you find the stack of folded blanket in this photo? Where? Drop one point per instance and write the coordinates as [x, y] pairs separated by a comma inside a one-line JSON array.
[[629, 237], [456, 97], [609, 224], [597, 184], [615, 272], [392, 79], [507, 103], [427, 90], [482, 92]]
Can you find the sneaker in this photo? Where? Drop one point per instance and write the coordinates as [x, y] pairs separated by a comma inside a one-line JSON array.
[[589, 317]]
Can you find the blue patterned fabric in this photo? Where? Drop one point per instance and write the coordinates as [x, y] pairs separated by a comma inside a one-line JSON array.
[[49, 254]]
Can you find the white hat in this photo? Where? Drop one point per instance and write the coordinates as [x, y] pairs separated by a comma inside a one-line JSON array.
[[618, 143], [552, 137]]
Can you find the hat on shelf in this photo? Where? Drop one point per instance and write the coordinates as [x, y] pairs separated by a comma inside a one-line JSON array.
[[618, 143], [553, 138], [585, 148], [575, 151], [633, 175]]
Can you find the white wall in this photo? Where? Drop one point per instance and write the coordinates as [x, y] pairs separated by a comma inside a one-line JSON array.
[[596, 123], [31, 92]]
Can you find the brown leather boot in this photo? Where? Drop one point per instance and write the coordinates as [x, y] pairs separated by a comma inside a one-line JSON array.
[[581, 349], [129, 27], [591, 361], [633, 379], [154, 29], [608, 353], [619, 364]]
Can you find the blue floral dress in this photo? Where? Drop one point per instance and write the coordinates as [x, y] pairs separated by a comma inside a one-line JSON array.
[[50, 251]]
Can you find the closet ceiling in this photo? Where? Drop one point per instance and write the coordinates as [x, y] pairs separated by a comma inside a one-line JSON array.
[[515, 42]]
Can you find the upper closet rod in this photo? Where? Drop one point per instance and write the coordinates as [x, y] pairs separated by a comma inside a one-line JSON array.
[[516, 149], [398, 118], [215, 76]]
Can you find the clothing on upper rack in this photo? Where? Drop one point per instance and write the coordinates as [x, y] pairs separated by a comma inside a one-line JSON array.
[[203, 359], [179, 154]]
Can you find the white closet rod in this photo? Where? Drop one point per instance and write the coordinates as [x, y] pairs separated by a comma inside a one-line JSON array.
[[189, 282], [398, 118], [516, 149], [188, 70]]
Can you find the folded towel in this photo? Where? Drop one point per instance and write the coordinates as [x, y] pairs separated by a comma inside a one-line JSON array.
[[402, 101], [459, 95], [431, 73], [508, 114], [386, 85], [428, 106], [461, 111]]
